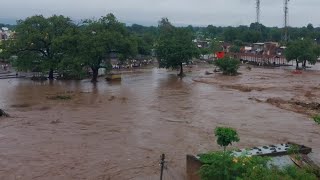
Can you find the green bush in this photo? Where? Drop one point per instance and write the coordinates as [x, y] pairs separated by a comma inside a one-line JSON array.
[[317, 119], [224, 166], [226, 136], [228, 66]]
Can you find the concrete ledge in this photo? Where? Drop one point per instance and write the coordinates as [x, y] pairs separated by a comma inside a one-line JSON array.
[[194, 164]]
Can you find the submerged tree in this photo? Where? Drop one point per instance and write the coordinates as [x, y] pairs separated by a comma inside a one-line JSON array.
[[228, 65], [36, 42], [96, 40], [302, 51], [174, 46]]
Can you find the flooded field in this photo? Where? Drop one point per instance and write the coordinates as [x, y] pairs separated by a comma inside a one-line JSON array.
[[119, 130]]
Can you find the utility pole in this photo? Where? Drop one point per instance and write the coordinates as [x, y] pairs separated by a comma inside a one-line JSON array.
[[162, 162], [286, 14]]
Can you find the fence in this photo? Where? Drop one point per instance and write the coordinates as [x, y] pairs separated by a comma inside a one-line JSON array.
[[258, 59]]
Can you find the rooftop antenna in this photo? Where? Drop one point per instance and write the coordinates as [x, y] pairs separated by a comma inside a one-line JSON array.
[[286, 16]]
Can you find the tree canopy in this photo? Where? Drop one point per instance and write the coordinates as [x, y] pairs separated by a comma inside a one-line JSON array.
[[174, 46], [37, 42], [226, 136], [58, 44], [96, 40], [302, 51]]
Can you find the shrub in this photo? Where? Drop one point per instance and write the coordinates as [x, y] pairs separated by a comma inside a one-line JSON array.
[[225, 166], [228, 66], [226, 136]]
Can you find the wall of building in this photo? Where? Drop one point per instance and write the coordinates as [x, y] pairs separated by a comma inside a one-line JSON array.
[[193, 167]]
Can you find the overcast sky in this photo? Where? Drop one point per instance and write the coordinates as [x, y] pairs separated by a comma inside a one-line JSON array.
[[180, 12]]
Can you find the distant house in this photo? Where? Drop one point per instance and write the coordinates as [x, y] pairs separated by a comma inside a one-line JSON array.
[[264, 50], [202, 43], [5, 33], [246, 49], [2, 36], [270, 48], [280, 50], [258, 48]]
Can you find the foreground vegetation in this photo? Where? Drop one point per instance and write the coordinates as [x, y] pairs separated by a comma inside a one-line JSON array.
[[225, 166]]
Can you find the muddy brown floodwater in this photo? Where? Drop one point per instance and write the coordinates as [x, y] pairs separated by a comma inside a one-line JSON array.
[[118, 131]]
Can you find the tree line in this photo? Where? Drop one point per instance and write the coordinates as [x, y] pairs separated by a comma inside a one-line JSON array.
[[302, 47], [253, 33], [58, 44], [258, 33]]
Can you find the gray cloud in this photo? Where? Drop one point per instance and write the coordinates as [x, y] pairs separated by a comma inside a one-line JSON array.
[[183, 12]]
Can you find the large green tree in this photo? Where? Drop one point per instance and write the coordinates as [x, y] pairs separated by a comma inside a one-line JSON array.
[[96, 40], [302, 51], [37, 43], [175, 46]]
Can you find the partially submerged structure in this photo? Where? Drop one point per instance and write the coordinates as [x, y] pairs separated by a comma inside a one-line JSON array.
[[281, 156], [267, 53]]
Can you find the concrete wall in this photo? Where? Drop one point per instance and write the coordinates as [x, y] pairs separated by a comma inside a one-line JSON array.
[[193, 167]]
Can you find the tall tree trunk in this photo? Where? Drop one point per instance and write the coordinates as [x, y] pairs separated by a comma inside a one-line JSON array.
[[304, 64], [94, 74], [51, 74], [181, 74]]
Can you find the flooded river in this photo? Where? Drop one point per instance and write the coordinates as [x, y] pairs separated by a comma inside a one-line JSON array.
[[118, 131]]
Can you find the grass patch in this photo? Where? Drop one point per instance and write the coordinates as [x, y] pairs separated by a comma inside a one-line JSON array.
[[317, 119]]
